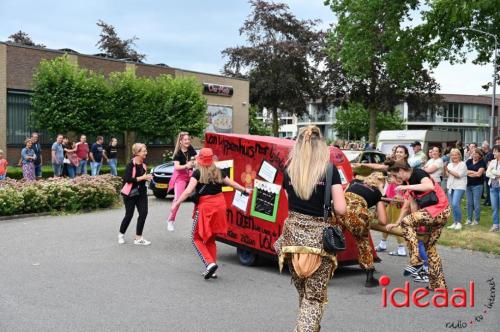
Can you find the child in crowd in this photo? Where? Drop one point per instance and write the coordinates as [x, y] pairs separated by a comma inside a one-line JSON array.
[[3, 166]]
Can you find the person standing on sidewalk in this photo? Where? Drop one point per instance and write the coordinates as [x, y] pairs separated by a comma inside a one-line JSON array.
[[96, 156], [57, 156], [28, 158], [456, 185], [38, 152], [209, 215], [493, 174], [475, 182], [135, 194], [111, 154], [301, 243], [488, 157], [183, 166], [82, 152]]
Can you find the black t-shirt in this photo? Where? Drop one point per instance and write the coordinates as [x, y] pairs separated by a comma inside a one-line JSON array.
[[371, 195], [475, 181], [181, 156], [314, 206], [139, 171], [210, 188], [97, 152], [416, 177], [111, 151]]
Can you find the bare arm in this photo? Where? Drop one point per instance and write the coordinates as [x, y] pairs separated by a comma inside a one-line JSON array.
[[235, 185], [425, 185], [187, 192], [179, 167], [381, 213], [339, 204]]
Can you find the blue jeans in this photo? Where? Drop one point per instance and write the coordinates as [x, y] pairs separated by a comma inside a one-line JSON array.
[[473, 194], [82, 168], [71, 171], [57, 168], [95, 168], [495, 203], [112, 164], [422, 253], [455, 198], [38, 170]]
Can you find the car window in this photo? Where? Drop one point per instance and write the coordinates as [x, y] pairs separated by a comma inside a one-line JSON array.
[[378, 158], [365, 158]]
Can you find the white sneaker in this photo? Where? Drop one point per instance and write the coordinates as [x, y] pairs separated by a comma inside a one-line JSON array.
[[468, 222], [170, 226], [475, 223], [401, 251], [458, 226], [121, 238], [495, 228], [452, 226], [142, 242]]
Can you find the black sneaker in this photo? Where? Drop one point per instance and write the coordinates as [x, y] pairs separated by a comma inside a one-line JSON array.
[[423, 276], [209, 272], [412, 269]]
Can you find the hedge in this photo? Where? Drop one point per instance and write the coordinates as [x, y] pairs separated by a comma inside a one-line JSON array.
[[17, 172], [58, 194]]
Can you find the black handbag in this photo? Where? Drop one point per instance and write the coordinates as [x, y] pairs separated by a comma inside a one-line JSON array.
[[427, 198], [134, 192], [195, 195], [333, 237]]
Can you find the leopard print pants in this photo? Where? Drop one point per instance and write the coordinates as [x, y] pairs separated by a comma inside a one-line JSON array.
[[313, 295], [357, 222], [423, 218]]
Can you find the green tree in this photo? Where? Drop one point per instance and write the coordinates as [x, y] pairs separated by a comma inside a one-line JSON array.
[[279, 59], [257, 126], [68, 99], [116, 47], [23, 38], [446, 42], [352, 122], [381, 57]]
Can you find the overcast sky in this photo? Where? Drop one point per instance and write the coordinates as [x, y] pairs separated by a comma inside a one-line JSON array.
[[187, 34]]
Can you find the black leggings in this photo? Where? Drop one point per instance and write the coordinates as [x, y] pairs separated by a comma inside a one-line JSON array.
[[141, 202]]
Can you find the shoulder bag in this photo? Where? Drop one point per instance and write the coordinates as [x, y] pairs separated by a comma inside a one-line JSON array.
[[427, 198], [333, 238]]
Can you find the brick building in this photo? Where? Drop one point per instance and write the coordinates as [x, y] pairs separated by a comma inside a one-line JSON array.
[[227, 98]]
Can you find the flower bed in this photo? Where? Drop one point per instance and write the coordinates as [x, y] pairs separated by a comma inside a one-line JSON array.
[[58, 194]]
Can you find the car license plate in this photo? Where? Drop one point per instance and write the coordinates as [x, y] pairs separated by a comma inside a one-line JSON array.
[[162, 185]]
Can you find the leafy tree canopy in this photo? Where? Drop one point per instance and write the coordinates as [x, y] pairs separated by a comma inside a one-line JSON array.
[[23, 38], [116, 47]]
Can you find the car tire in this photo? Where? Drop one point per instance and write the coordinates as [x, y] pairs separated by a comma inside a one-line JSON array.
[[246, 257], [161, 194]]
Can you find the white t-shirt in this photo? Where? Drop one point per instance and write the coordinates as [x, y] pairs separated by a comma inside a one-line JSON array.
[[460, 182], [439, 168]]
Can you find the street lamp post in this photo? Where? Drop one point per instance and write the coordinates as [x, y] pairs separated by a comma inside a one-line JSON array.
[[493, 97]]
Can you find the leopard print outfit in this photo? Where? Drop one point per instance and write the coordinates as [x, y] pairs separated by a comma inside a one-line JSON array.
[[304, 234], [357, 222], [423, 218]]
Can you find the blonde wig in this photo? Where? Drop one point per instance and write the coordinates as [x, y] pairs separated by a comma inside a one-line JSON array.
[[308, 161]]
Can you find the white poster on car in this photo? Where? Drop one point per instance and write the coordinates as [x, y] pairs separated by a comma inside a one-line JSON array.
[[220, 119]]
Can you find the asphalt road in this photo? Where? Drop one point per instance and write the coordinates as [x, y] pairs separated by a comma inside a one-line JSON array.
[[68, 273]]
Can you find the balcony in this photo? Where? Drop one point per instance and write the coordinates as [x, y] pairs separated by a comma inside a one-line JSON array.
[[317, 118]]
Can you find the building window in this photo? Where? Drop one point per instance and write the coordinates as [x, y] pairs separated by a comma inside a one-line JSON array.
[[19, 125]]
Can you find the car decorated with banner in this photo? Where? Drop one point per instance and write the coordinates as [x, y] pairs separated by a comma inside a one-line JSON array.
[[255, 222]]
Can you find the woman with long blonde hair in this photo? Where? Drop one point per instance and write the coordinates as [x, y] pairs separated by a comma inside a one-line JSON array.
[[183, 166], [301, 243], [360, 196], [209, 215]]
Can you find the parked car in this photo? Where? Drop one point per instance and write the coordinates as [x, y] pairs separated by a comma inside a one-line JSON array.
[[161, 177], [364, 157]]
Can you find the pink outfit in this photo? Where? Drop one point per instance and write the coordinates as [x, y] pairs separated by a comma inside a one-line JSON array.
[[179, 181]]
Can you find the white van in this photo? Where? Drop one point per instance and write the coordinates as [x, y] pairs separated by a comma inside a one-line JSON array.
[[428, 138]]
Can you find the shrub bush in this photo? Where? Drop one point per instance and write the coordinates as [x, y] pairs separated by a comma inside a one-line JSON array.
[[58, 194]]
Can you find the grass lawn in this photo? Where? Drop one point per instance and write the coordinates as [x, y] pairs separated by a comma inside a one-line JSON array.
[[473, 237]]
